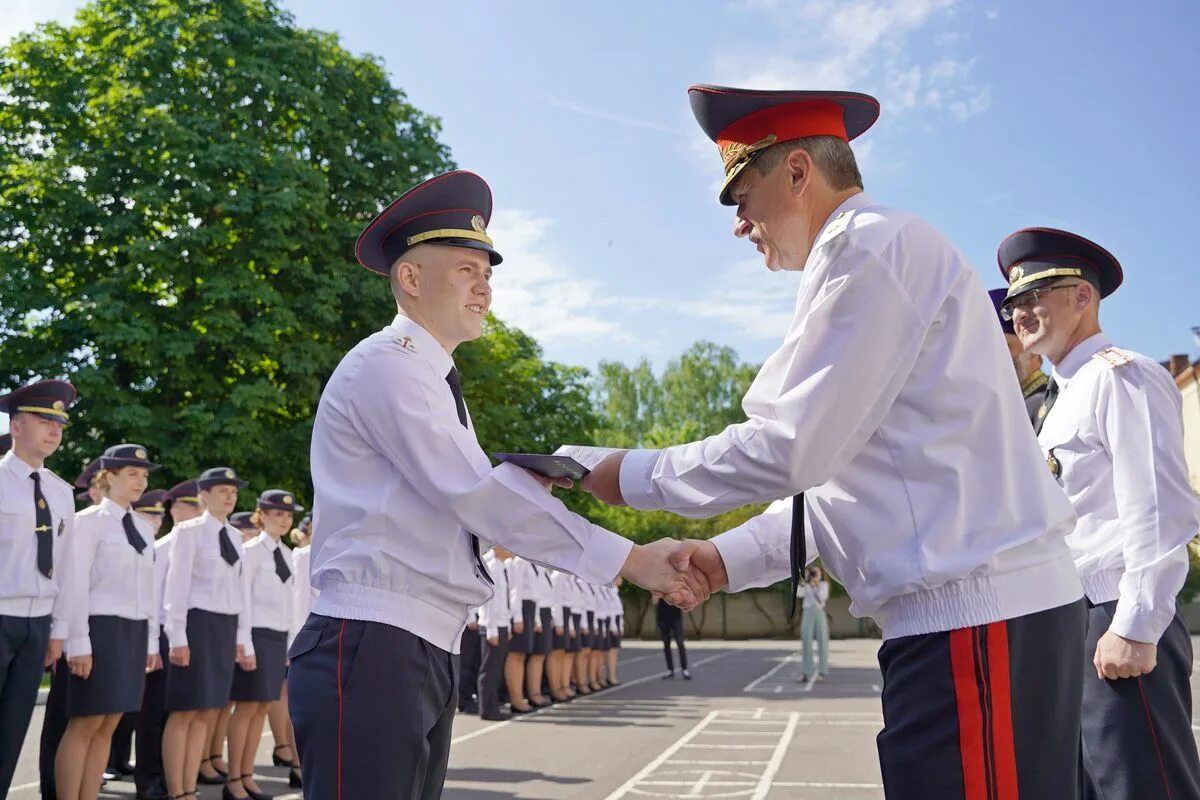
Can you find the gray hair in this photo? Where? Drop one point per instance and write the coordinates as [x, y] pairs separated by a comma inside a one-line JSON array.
[[832, 156]]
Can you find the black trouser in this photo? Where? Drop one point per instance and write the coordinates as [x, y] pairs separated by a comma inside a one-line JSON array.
[[23, 642], [468, 659], [373, 707], [1137, 732], [985, 713], [674, 630], [148, 770], [54, 725], [491, 672]]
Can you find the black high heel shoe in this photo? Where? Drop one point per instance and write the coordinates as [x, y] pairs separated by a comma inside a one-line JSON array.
[[282, 762], [208, 780], [294, 780], [254, 795], [223, 773]]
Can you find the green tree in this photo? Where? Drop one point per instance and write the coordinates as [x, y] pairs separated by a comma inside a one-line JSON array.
[[181, 185]]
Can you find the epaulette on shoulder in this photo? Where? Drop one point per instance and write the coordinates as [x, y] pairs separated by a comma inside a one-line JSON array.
[[1114, 356], [61, 484]]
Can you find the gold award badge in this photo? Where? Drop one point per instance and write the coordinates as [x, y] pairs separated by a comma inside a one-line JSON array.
[[287, 498], [228, 473], [59, 405], [1016, 273], [139, 453], [478, 224]]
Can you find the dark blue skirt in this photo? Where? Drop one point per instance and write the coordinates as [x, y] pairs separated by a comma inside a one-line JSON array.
[[561, 640], [118, 669], [523, 642], [544, 641], [206, 681], [576, 644], [265, 683]]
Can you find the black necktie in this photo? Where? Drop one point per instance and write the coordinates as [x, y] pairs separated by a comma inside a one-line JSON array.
[[131, 533], [45, 536], [796, 551], [1047, 404], [228, 551], [461, 407], [281, 567]]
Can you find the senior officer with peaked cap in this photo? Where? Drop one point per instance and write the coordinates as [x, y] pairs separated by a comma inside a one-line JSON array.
[[888, 419]]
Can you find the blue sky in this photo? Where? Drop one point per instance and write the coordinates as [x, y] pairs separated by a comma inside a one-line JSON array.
[[996, 115]]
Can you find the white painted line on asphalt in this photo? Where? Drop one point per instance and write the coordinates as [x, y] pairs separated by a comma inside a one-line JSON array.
[[764, 783], [826, 785], [731, 746], [753, 685], [685, 762], [625, 788], [607, 693]]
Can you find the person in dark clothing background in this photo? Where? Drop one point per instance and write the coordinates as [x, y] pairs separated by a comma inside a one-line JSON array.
[[670, 625]]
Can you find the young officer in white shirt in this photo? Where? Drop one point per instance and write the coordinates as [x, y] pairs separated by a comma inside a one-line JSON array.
[[37, 514], [112, 619], [403, 496], [204, 595], [888, 412], [262, 632], [1112, 430]]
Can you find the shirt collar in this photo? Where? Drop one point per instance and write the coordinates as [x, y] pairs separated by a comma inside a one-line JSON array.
[[854, 202], [209, 519], [110, 506], [420, 342], [266, 541], [1079, 355], [11, 462]]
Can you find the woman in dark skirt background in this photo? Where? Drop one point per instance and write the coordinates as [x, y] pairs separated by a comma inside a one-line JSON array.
[[112, 617], [204, 595], [262, 633], [557, 664], [617, 629]]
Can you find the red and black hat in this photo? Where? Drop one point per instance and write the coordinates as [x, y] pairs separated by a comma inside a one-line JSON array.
[[184, 492], [219, 476], [151, 502], [126, 455], [1034, 257], [452, 209], [280, 499], [744, 122], [998, 296], [48, 399]]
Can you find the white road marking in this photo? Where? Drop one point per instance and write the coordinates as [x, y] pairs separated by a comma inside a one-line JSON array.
[[682, 741], [753, 685], [764, 783]]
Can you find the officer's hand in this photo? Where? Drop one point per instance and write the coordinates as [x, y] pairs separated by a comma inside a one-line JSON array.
[[81, 666], [665, 566], [558, 630], [53, 651], [1118, 657], [153, 662], [518, 627], [572, 633], [180, 656], [550, 483], [703, 562], [494, 641], [537, 629], [472, 626], [239, 653], [248, 663], [604, 482]]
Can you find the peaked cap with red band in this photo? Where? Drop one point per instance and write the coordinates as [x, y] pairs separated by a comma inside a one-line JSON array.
[[451, 209], [1035, 257], [744, 122]]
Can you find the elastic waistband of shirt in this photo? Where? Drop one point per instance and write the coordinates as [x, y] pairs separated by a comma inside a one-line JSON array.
[[26, 606], [983, 600], [438, 626], [1104, 586]]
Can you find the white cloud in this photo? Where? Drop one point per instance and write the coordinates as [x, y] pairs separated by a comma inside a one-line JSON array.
[[540, 293], [750, 299], [866, 45]]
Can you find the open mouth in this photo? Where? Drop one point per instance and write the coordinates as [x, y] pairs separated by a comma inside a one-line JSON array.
[[476, 308]]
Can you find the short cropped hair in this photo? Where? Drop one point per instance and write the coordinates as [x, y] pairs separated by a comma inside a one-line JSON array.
[[832, 156]]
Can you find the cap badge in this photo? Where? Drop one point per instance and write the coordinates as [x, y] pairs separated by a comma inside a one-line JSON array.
[[477, 224], [1016, 273], [228, 473], [738, 151], [139, 453], [59, 405], [287, 498]]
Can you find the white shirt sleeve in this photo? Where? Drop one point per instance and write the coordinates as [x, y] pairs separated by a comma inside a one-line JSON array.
[[59, 626], [250, 556], [444, 463], [179, 585], [76, 580], [757, 552], [813, 414], [1142, 429]]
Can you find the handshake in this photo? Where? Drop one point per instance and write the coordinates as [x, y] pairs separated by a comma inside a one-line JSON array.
[[683, 573]]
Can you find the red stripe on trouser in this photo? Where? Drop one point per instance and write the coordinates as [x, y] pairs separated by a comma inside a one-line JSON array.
[[970, 715], [1004, 755], [341, 632], [1162, 765]]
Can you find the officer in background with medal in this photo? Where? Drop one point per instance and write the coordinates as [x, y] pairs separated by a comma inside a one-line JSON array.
[[37, 512], [1111, 427], [1028, 365]]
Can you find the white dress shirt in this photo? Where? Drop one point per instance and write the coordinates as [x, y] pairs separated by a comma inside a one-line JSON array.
[[24, 591], [1116, 431], [268, 600], [496, 613], [103, 575], [893, 405], [813, 596], [399, 483], [522, 583], [198, 577], [162, 560], [303, 594], [544, 591]]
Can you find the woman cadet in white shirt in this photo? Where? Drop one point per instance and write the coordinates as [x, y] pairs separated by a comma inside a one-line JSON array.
[[558, 662], [112, 612], [617, 628], [263, 633], [543, 639]]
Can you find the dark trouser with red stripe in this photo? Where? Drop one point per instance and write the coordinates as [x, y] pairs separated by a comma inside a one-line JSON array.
[[1137, 732], [372, 706], [985, 713]]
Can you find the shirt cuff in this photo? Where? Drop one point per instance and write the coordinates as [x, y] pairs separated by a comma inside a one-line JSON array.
[[604, 555], [177, 637], [637, 489], [58, 629], [745, 563], [1139, 625], [79, 646], [247, 648]]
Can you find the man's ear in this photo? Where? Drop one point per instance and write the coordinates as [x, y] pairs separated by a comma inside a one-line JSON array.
[[1087, 295], [405, 279], [799, 165]]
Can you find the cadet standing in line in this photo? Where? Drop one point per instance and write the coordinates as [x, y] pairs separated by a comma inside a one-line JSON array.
[[39, 514], [403, 495], [495, 622], [618, 631], [1112, 431], [1028, 366], [543, 640], [263, 632], [204, 595], [522, 600], [918, 484], [112, 618], [558, 663]]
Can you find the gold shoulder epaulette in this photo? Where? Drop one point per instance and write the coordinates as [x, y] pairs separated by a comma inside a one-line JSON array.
[[1114, 356]]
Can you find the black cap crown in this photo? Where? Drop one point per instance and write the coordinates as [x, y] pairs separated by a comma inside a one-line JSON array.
[[126, 455], [219, 476], [280, 499], [184, 492], [151, 502], [48, 399], [1034, 257]]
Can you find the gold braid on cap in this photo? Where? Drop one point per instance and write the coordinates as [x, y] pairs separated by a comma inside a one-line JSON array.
[[735, 153]]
